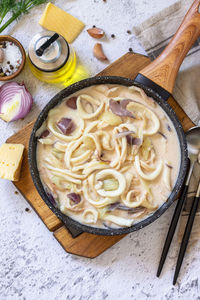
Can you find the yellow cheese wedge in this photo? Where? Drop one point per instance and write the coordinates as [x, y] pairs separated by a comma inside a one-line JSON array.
[[11, 156], [56, 19]]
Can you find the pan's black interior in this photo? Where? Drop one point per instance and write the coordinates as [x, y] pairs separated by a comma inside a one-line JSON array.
[[75, 227]]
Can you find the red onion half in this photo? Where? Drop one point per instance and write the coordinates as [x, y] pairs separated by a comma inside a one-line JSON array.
[[15, 101]]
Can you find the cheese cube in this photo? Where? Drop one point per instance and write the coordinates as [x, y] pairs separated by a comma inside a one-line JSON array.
[[56, 19], [11, 156]]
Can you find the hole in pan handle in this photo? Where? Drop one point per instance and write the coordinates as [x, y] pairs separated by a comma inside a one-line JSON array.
[[163, 70]]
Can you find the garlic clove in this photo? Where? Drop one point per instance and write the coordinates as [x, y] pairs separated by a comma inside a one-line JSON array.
[[98, 52], [1, 55], [96, 33]]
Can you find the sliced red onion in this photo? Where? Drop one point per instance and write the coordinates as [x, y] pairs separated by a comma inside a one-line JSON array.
[[113, 206], [125, 102], [76, 198], [169, 128], [107, 226], [118, 205], [136, 210], [15, 101], [169, 166], [44, 134], [102, 159], [71, 102], [66, 125], [129, 209], [123, 133], [133, 140], [119, 108], [163, 135], [50, 197]]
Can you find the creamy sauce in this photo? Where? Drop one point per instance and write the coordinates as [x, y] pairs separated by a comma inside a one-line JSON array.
[[115, 183]]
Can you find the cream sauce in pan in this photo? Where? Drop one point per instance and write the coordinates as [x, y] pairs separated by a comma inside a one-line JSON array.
[[106, 160]]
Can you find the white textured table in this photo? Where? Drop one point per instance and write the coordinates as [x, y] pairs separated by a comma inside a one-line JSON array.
[[32, 264]]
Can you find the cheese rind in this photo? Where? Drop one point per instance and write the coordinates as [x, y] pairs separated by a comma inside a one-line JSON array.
[[11, 156], [56, 19]]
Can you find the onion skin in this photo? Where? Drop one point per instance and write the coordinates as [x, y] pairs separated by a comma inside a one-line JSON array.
[[76, 198], [66, 125], [9, 92], [123, 133], [44, 134], [133, 140], [119, 108], [71, 102]]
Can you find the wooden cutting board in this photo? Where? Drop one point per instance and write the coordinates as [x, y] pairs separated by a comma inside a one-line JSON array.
[[87, 245]]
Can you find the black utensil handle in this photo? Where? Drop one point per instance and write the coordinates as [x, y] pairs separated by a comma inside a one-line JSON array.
[[172, 228], [186, 237]]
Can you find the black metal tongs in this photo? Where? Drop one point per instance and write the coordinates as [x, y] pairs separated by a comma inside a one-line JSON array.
[[193, 144], [187, 233]]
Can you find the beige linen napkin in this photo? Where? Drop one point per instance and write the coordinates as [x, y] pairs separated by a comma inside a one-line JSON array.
[[154, 34]]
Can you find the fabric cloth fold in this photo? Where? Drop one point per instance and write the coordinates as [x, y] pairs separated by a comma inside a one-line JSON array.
[[154, 34]]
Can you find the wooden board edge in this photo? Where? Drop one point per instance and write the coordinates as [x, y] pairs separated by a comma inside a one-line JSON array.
[[90, 241], [52, 228]]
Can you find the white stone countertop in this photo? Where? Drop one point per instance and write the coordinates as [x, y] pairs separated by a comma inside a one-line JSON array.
[[32, 263]]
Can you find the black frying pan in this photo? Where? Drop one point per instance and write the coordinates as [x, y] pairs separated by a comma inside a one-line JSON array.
[[157, 80]]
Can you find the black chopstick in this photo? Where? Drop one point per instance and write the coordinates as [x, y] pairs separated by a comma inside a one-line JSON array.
[[172, 228], [187, 233]]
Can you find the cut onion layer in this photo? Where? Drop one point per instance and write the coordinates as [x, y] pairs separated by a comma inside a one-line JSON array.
[[15, 101]]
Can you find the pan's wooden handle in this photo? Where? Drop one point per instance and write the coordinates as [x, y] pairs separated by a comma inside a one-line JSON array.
[[164, 68]]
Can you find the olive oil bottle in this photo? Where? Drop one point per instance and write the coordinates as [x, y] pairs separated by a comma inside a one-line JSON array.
[[57, 62]]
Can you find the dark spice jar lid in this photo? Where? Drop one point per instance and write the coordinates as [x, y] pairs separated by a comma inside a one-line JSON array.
[[54, 57]]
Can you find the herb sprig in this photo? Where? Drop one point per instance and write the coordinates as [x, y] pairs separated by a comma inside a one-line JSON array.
[[16, 8]]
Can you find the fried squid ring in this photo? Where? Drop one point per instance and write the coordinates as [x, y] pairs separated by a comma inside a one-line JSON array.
[[167, 176], [121, 151], [83, 114], [98, 202], [150, 176], [65, 172], [46, 141], [111, 173], [68, 205], [91, 141], [118, 220], [60, 146], [66, 138], [69, 152], [91, 126], [105, 140], [94, 166], [137, 201], [90, 216], [137, 107], [143, 95]]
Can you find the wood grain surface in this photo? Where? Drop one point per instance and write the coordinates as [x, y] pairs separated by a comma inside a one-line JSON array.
[[86, 244]]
